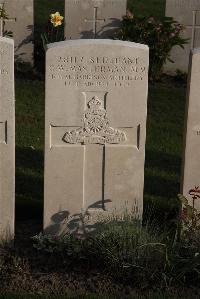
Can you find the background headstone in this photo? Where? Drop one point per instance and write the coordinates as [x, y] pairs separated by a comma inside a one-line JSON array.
[[96, 108], [22, 29], [186, 12], [191, 159], [93, 18], [7, 138]]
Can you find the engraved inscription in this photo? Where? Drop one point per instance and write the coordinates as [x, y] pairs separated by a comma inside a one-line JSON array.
[[96, 129], [72, 3], [3, 71], [3, 132], [98, 71], [196, 130]]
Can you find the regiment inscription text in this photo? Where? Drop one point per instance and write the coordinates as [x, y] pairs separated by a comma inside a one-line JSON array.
[[97, 71]]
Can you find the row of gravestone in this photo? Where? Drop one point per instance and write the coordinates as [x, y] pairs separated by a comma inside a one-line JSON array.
[[20, 22], [95, 131], [84, 19], [100, 19]]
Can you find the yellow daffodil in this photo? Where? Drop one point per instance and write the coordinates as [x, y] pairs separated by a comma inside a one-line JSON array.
[[56, 19]]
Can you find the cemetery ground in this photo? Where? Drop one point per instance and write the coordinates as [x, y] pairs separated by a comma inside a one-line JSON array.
[[79, 267], [26, 269], [163, 149]]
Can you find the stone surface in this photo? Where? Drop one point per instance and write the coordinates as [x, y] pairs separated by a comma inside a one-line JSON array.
[[96, 107], [7, 138], [93, 18], [22, 28], [191, 159], [186, 12]]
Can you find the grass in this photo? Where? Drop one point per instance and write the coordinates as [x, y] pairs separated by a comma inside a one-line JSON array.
[[150, 296], [165, 119], [166, 108], [29, 147], [163, 149], [43, 8], [154, 8], [120, 258], [164, 131]]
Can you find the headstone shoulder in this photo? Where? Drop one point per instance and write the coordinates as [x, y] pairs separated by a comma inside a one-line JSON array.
[[82, 42]]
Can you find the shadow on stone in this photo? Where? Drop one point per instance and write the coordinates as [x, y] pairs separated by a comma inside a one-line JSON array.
[[79, 224], [19, 57], [106, 32]]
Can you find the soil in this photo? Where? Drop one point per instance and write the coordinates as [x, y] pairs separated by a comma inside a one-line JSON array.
[[23, 269]]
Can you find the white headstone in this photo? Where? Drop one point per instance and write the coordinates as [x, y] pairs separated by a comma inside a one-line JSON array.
[[186, 12], [191, 159], [96, 108], [93, 18], [22, 27], [7, 139]]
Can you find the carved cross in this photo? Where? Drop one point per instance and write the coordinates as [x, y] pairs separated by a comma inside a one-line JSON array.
[[95, 21], [3, 19], [95, 135], [95, 131], [194, 27]]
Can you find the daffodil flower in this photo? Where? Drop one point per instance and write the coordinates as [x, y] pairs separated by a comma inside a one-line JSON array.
[[56, 19]]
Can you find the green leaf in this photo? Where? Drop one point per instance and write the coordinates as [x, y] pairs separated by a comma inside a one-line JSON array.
[[183, 199], [190, 212]]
